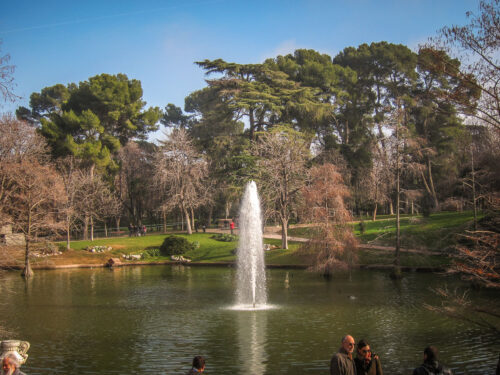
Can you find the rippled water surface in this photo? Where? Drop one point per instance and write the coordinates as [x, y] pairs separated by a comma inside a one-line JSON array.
[[155, 319]]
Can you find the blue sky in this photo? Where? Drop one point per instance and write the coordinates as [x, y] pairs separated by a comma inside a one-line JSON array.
[[156, 41]]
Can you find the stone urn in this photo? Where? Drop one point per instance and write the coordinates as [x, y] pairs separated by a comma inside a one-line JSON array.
[[16, 347]]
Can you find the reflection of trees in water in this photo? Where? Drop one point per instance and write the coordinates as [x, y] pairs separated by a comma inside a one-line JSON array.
[[252, 326], [6, 288]]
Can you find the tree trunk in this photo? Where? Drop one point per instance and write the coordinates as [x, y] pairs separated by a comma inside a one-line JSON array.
[[117, 220], [188, 224], [251, 121], [91, 228], [375, 212], [397, 264], [27, 271], [68, 236], [473, 189], [105, 229], [227, 208], [210, 213], [284, 234], [192, 220], [429, 186], [391, 208], [431, 182], [164, 214], [86, 228]]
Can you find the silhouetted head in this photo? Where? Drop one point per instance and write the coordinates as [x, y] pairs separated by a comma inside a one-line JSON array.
[[199, 363], [430, 354]]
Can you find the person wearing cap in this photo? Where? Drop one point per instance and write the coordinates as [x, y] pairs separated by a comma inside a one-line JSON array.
[[342, 362], [431, 364]]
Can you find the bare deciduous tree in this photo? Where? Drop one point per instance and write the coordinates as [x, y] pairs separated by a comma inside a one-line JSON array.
[[333, 246], [282, 161], [14, 149], [20, 141], [180, 175], [476, 45], [133, 181], [96, 201], [35, 195], [6, 78]]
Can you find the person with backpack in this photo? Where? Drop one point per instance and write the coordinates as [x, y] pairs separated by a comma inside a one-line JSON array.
[[431, 366]]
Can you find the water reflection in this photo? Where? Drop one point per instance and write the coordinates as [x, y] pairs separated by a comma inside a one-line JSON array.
[[151, 320], [252, 327]]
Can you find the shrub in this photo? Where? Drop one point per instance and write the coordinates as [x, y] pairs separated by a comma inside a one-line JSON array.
[[224, 237], [175, 245]]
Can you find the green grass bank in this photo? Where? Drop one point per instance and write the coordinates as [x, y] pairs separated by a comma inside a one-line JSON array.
[[435, 233]]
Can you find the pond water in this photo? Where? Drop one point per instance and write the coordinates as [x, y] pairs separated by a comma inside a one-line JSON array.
[[156, 319]]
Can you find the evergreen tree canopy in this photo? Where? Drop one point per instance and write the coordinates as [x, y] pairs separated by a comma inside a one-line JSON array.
[[93, 119]]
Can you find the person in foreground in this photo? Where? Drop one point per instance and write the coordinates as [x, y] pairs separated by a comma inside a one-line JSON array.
[[366, 362], [11, 365], [431, 364], [342, 362], [198, 365]]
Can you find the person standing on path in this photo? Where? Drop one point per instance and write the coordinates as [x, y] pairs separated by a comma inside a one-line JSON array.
[[342, 362], [231, 226]]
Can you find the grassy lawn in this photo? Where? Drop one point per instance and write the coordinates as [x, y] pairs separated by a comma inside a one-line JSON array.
[[433, 233], [210, 250]]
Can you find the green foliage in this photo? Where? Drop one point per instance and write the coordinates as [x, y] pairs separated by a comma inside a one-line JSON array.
[[175, 245], [224, 237], [261, 93], [436, 232], [151, 253], [93, 119]]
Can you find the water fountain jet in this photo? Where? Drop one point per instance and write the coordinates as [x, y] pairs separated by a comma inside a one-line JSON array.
[[251, 273]]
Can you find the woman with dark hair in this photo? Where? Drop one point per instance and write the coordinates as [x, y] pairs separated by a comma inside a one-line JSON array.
[[366, 362], [198, 365]]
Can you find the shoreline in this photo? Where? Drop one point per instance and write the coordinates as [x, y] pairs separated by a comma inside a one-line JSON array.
[[370, 267]]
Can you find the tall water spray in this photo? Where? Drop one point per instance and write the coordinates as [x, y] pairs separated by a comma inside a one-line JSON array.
[[251, 276]]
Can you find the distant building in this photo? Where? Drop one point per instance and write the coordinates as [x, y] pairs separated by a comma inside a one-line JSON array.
[[8, 238]]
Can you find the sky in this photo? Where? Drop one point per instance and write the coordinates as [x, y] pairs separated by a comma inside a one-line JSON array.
[[158, 41]]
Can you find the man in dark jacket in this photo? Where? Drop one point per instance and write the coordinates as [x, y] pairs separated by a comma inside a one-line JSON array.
[[431, 364], [342, 362]]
